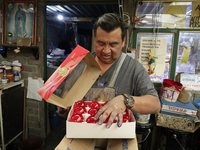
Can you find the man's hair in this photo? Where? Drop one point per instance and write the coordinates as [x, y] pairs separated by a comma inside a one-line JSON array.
[[109, 22]]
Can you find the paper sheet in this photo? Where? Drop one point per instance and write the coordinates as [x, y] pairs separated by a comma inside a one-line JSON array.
[[160, 47], [33, 86]]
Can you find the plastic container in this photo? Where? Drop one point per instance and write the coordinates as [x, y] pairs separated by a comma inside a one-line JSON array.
[[35, 143], [143, 118], [185, 95], [197, 104], [58, 52], [16, 75], [170, 90]]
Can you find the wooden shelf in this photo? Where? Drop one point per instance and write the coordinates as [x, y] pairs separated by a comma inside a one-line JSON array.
[[34, 49]]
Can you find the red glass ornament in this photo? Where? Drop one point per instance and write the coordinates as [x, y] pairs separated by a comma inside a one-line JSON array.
[[94, 105], [77, 118], [92, 111], [80, 103], [115, 121], [125, 113], [125, 119], [90, 119], [79, 110]]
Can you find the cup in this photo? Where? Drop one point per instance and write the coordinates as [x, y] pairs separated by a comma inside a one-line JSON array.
[[143, 118]]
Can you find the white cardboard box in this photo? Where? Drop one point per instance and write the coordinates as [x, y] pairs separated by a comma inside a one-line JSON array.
[[89, 130]]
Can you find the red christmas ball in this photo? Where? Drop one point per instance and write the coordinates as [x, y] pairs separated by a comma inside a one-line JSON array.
[[77, 118], [92, 111], [80, 103], [79, 110], [90, 119], [95, 105]]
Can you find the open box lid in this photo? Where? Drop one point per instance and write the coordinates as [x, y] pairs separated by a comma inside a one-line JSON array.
[[82, 85]]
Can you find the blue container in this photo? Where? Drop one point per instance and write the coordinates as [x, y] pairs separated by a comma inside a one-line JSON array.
[[197, 102]]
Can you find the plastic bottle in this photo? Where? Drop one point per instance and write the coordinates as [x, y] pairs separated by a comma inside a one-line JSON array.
[[4, 80]]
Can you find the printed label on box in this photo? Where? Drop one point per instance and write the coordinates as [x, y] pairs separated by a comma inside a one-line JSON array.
[[191, 81], [179, 110]]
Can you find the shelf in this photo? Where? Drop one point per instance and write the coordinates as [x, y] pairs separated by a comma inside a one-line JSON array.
[[34, 49], [12, 84]]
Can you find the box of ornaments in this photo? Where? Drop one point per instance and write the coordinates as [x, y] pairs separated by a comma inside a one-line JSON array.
[[81, 123]]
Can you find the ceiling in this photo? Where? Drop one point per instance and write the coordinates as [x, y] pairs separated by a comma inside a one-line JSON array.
[[84, 15]]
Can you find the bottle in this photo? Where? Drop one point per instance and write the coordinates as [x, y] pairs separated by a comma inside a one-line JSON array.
[[9, 73], [1, 75], [4, 80], [16, 75]]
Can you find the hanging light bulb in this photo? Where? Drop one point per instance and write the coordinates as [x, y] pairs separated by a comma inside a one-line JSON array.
[[60, 17]]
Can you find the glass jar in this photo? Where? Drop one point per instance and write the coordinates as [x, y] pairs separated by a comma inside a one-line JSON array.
[[9, 74]]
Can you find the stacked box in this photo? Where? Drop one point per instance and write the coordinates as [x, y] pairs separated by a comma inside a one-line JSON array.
[[178, 115]]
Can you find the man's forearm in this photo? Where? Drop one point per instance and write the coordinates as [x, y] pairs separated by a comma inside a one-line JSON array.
[[147, 104]]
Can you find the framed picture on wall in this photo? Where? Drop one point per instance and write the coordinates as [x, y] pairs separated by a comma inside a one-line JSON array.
[[19, 21]]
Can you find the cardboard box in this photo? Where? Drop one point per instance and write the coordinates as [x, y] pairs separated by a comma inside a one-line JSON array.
[[76, 144], [82, 85], [179, 109], [178, 123], [191, 81], [122, 144], [90, 130], [90, 144]]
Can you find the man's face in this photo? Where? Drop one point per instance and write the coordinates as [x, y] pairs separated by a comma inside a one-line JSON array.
[[108, 45]]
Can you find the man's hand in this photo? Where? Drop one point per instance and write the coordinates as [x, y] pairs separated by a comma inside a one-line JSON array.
[[114, 110], [63, 112]]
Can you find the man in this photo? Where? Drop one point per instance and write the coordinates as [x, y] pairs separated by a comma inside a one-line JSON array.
[[134, 90]]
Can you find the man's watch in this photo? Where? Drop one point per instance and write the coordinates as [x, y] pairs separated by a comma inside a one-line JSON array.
[[128, 100]]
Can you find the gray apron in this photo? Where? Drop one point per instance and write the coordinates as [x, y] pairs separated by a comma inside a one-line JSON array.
[[103, 94]]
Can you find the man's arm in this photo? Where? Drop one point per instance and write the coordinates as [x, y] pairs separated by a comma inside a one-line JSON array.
[[147, 104]]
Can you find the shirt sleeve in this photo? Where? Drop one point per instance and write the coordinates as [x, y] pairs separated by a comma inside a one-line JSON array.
[[144, 86]]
